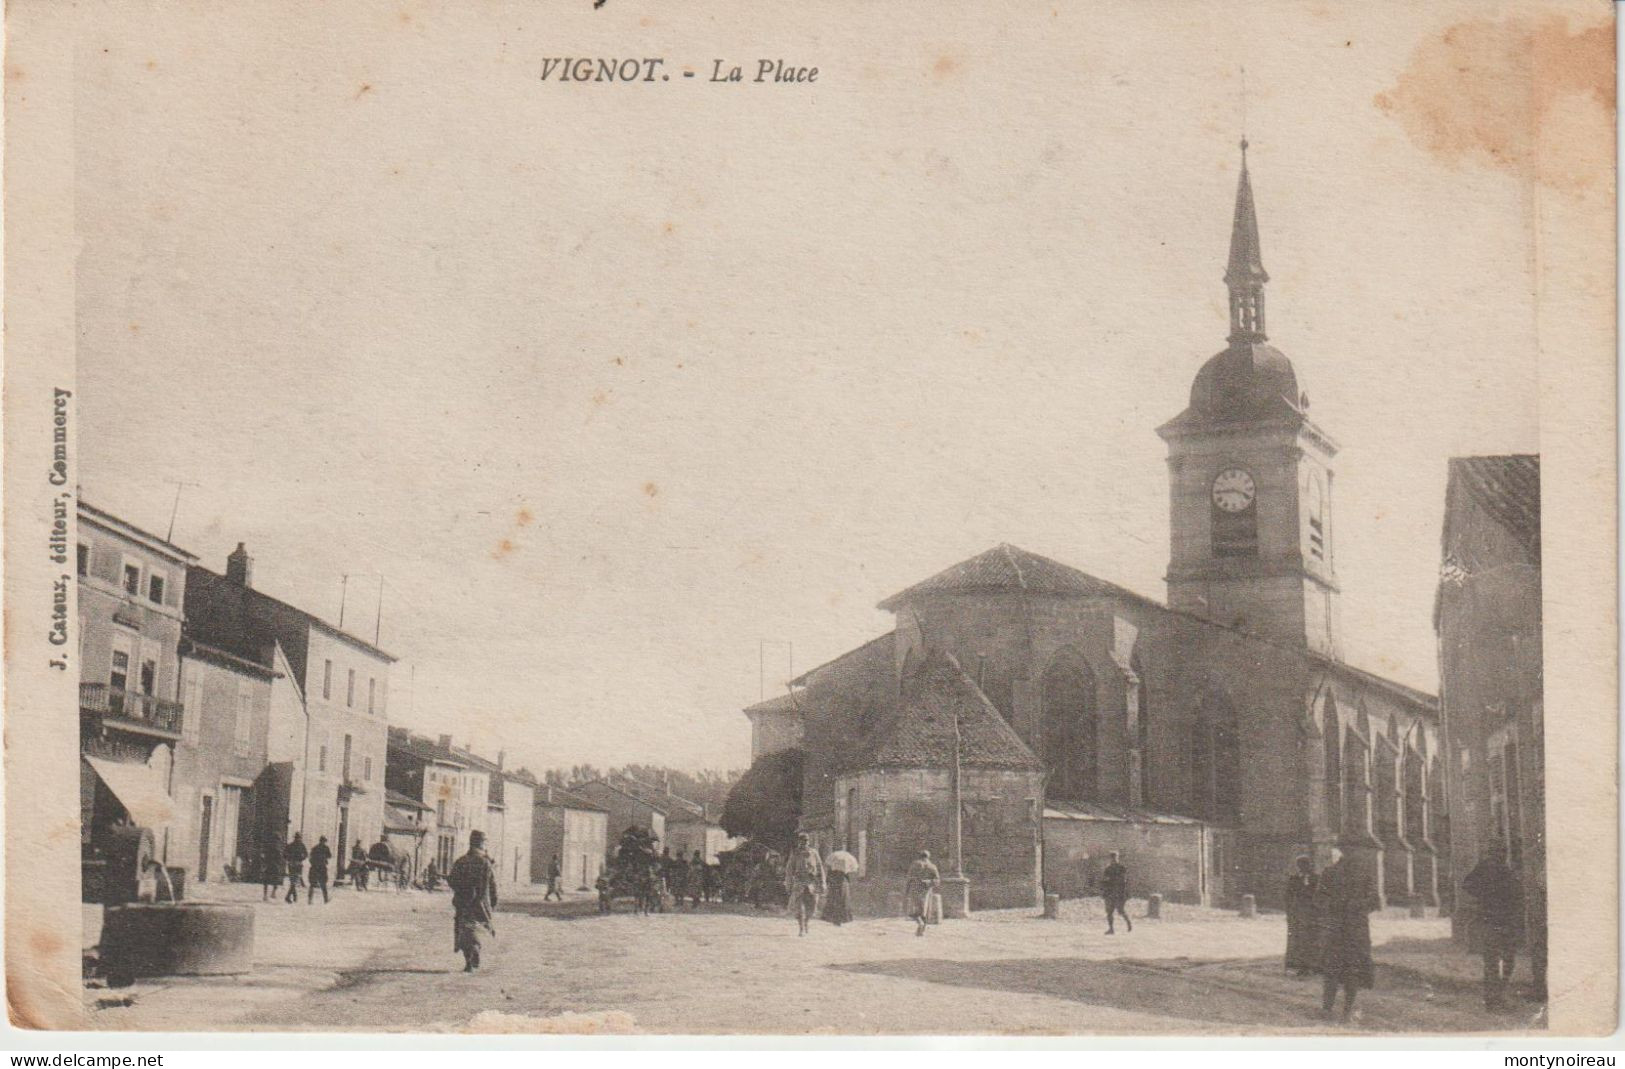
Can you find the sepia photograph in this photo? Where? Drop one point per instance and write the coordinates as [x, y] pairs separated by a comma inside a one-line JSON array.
[[601, 519]]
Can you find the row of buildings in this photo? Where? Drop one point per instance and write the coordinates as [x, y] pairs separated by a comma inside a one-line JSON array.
[[223, 720], [1212, 738]]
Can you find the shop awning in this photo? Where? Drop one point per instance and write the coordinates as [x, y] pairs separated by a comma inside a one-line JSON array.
[[139, 789]]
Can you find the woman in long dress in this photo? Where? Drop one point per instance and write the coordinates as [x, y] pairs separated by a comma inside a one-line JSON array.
[[838, 906], [923, 878], [1300, 918]]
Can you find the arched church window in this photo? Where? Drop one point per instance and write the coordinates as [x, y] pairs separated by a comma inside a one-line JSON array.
[[1216, 760], [1332, 731], [1357, 784], [1070, 729], [1411, 776]]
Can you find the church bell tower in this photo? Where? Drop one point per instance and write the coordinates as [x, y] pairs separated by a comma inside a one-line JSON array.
[[1251, 476]]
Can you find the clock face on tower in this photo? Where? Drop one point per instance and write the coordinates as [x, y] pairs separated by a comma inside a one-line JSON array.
[[1233, 490]]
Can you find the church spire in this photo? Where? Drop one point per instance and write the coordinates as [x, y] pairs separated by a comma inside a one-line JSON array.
[[1245, 276]]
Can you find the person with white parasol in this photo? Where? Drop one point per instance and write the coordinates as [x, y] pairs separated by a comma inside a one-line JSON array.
[[838, 907]]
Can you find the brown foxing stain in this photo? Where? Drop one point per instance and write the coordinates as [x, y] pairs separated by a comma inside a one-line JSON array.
[[1532, 96], [152, 64], [17, 74], [947, 66], [669, 228], [135, 328], [495, 1022], [508, 546], [44, 943], [600, 398], [366, 87], [22, 1007], [651, 489]]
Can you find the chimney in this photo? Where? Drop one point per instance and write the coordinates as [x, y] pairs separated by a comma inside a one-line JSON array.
[[666, 780], [445, 742], [240, 567], [502, 759]]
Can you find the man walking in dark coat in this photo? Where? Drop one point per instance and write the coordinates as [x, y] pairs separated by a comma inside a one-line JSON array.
[[1498, 921], [554, 872], [473, 884], [294, 857], [320, 855], [1114, 889], [1343, 903]]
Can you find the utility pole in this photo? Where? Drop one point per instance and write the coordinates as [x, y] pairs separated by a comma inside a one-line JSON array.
[[378, 624], [344, 592], [177, 484], [761, 663], [956, 886], [956, 789]]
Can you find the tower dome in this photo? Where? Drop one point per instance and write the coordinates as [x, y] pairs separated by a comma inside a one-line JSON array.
[[1247, 381]]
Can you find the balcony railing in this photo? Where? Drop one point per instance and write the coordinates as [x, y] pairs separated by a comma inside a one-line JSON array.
[[127, 707]]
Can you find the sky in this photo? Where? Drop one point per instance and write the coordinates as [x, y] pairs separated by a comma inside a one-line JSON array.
[[627, 390]]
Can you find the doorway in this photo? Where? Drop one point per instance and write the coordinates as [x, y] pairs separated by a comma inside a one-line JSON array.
[[231, 815]]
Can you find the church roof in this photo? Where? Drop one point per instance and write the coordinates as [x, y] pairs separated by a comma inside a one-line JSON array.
[[784, 703], [1508, 488], [920, 733], [1006, 567], [877, 650]]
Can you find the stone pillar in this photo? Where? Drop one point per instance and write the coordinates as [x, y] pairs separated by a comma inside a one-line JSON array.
[[955, 897], [1153, 906], [1249, 906]]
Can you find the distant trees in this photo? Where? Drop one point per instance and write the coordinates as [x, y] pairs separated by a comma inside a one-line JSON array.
[[765, 804], [708, 786]]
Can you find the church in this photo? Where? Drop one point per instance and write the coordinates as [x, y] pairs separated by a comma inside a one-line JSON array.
[[1211, 739]]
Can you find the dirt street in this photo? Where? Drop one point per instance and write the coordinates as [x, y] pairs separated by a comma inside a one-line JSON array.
[[384, 962]]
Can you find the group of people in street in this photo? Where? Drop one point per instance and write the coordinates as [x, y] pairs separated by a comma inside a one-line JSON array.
[[652, 878], [285, 863], [1329, 926], [822, 887]]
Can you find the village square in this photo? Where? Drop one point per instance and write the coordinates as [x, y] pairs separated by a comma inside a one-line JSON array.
[[1040, 803]]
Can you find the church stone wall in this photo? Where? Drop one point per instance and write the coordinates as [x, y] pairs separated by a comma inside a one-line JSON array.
[[1163, 859], [898, 812]]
